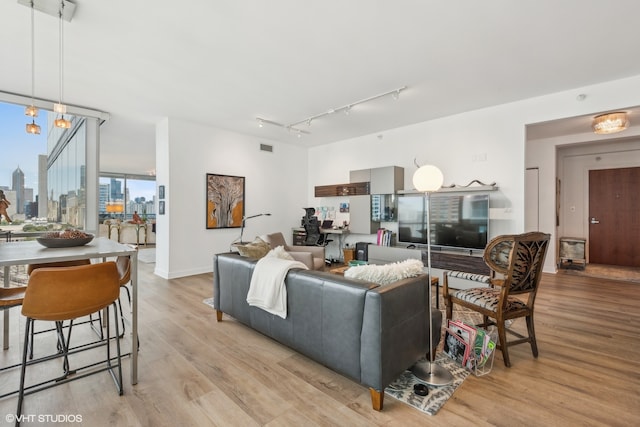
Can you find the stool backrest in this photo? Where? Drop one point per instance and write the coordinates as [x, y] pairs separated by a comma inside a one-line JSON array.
[[64, 293], [32, 267]]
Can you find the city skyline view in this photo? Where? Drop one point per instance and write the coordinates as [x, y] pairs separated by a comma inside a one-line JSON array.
[[18, 148], [21, 150]]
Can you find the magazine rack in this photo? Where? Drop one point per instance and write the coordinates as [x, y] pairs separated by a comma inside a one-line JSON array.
[[484, 367], [471, 347]]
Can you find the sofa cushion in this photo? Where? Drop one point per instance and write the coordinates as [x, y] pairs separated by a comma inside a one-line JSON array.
[[388, 273], [279, 252], [254, 250]]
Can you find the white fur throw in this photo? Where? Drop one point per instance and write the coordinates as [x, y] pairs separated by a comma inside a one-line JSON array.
[[388, 273], [279, 252]]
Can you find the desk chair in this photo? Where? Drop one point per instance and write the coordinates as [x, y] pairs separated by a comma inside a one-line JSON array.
[[64, 294], [314, 236]]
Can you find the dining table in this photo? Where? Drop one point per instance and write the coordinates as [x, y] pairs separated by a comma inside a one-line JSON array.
[[32, 252]]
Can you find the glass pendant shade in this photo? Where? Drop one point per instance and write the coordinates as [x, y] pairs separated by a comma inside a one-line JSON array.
[[31, 111], [62, 123], [33, 128]]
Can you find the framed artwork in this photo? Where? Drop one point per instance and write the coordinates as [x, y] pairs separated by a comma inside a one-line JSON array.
[[161, 207], [161, 192], [225, 201]]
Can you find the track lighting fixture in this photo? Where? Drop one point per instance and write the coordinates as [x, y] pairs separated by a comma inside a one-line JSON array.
[[345, 108], [262, 122]]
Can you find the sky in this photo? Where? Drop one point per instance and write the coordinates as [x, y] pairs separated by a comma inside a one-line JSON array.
[[18, 148]]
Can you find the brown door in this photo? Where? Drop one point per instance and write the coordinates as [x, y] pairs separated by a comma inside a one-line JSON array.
[[614, 217]]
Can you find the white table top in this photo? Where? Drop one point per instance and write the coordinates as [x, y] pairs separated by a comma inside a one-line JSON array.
[[32, 252]]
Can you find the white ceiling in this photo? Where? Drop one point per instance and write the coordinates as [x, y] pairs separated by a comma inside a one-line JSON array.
[[224, 63]]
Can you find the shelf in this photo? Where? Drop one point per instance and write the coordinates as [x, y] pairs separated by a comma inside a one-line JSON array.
[[351, 189], [456, 189]]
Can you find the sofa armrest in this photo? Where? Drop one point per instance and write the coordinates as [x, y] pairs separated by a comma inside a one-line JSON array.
[[315, 251], [395, 330], [304, 257]]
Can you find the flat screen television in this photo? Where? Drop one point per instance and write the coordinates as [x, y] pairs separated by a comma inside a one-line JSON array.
[[458, 220]]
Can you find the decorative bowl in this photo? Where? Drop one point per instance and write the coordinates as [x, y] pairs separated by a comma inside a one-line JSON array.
[[59, 242]]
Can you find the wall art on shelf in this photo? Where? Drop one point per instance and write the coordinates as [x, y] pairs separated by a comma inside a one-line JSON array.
[[161, 192], [225, 201], [161, 207]]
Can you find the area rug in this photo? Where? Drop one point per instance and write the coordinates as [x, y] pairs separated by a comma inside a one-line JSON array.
[[208, 301], [402, 387]]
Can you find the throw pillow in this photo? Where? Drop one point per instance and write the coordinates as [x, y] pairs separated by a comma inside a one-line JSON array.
[[279, 252], [255, 250], [388, 273]]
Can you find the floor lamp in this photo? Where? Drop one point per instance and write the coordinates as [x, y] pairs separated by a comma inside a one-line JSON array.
[[244, 219], [428, 179]]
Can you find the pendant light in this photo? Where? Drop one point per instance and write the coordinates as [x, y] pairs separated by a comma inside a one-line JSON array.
[[60, 107], [32, 110]]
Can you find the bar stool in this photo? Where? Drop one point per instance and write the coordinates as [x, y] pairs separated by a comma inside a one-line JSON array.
[[32, 267], [66, 293], [11, 297]]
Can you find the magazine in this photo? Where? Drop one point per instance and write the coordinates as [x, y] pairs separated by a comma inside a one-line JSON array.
[[455, 347]]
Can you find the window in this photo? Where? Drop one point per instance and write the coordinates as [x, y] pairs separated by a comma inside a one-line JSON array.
[[122, 195]]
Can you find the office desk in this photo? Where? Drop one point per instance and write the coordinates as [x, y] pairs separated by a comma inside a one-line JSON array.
[[341, 233], [31, 252]]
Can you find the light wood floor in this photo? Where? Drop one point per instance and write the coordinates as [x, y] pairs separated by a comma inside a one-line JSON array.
[[194, 371]]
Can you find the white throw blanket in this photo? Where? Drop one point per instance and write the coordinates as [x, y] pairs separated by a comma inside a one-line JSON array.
[[267, 290]]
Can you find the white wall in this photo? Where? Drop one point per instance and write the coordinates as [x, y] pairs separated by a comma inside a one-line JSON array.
[[486, 144], [274, 183]]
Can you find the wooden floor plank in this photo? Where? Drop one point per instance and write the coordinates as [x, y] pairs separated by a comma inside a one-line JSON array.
[[196, 371]]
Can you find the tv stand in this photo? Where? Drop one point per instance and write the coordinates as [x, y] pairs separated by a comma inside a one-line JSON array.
[[444, 259]]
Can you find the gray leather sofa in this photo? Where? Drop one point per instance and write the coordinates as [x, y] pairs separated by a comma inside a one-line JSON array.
[[366, 332]]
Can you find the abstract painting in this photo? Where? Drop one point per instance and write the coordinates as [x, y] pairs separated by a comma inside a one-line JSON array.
[[225, 201]]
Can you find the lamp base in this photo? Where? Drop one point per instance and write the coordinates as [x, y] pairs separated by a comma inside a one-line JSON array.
[[432, 374]]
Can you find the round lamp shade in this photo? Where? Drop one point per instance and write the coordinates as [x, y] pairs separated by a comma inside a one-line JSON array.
[[428, 178]]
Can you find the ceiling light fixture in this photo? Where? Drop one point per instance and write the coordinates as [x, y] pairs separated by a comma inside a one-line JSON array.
[[346, 109], [262, 122], [610, 122], [31, 110], [60, 107]]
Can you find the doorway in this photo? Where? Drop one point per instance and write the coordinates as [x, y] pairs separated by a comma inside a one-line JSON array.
[[613, 203]]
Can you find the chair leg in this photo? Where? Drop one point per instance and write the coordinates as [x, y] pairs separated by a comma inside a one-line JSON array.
[[532, 335], [121, 318], [118, 379], [64, 346], [23, 368], [449, 305], [502, 337]]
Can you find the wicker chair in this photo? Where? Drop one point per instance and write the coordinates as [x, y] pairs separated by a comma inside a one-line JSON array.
[[516, 263]]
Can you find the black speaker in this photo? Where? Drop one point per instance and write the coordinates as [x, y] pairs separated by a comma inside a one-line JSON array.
[[362, 251]]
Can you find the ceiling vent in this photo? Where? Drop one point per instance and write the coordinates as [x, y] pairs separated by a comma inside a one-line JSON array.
[[266, 147]]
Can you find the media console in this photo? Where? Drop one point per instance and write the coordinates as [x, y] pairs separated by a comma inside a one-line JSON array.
[[440, 259]]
